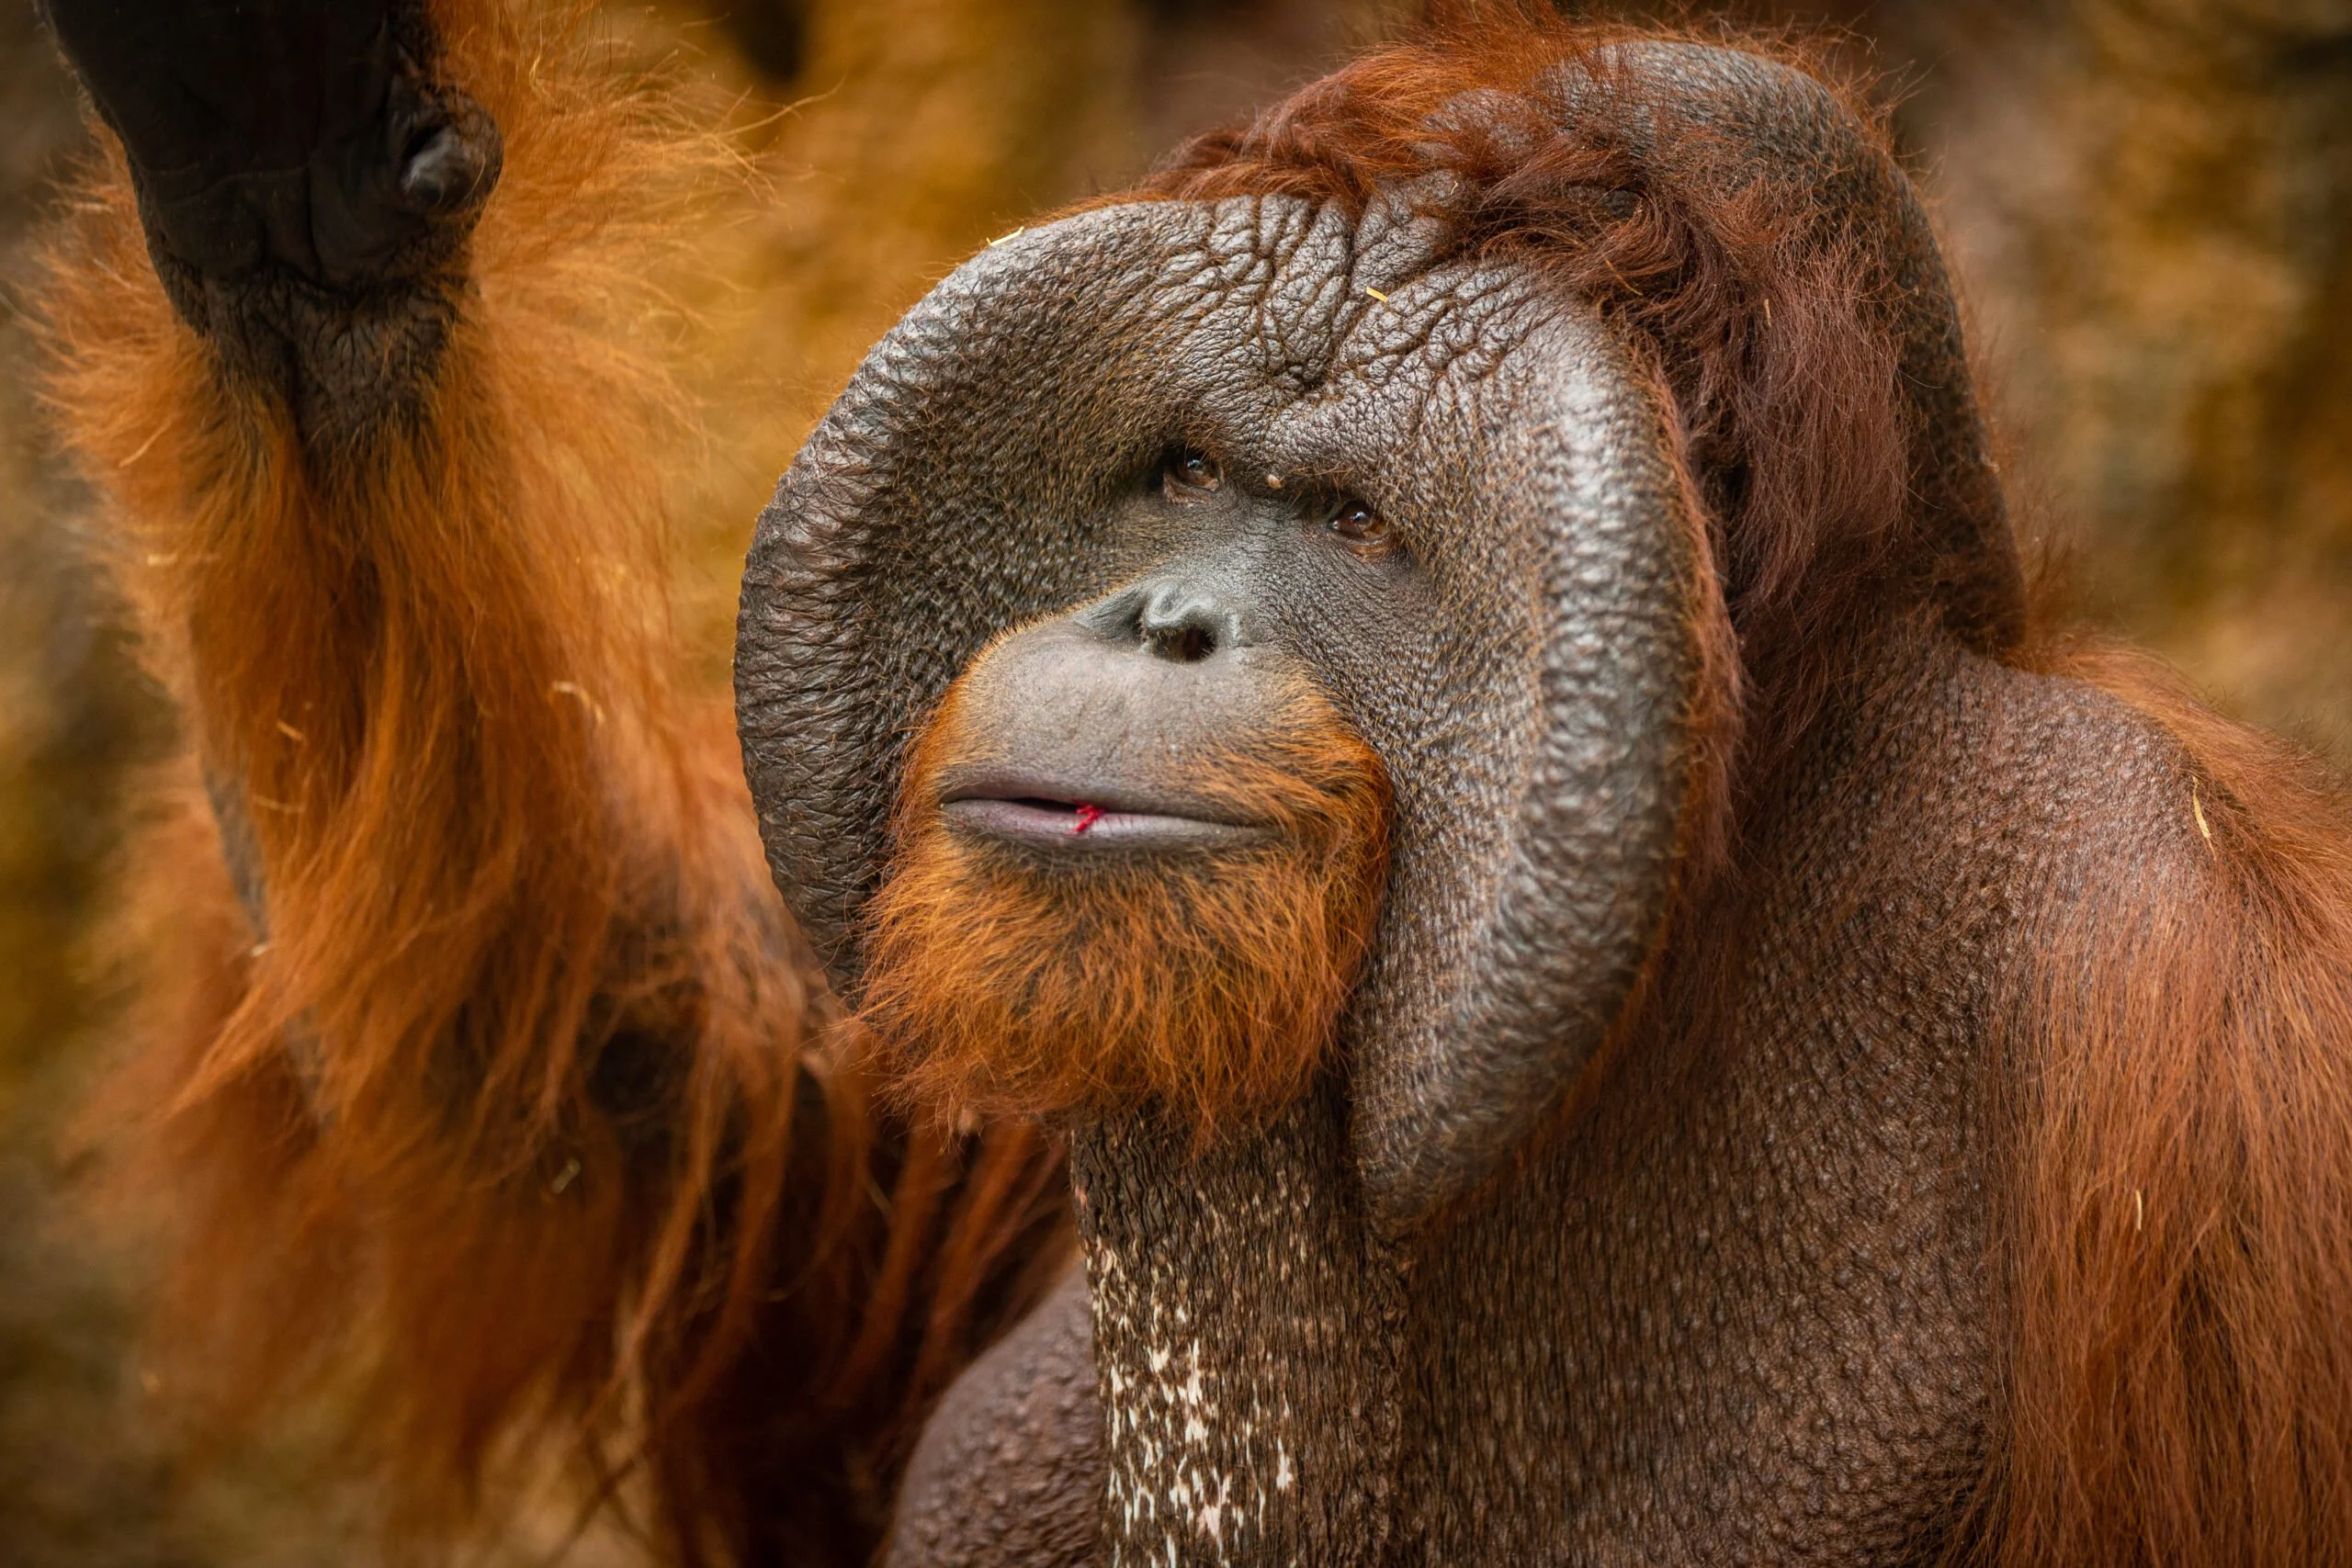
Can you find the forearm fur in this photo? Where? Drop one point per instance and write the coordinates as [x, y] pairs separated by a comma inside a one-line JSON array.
[[554, 1017]]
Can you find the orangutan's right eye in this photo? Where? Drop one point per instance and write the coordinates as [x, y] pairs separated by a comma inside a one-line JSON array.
[[1189, 474]]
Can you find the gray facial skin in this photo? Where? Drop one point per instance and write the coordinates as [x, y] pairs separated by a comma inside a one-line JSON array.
[[1521, 662], [1736, 1310], [1107, 712]]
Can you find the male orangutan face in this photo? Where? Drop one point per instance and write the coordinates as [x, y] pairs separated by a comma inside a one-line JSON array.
[[1139, 855], [1390, 603]]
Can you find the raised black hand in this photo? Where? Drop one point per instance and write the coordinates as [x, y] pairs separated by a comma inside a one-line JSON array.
[[304, 134], [306, 181]]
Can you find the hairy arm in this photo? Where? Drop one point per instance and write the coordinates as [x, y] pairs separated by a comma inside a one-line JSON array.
[[521, 1075]]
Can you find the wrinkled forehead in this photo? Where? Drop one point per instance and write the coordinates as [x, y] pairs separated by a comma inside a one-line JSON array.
[[978, 449], [1251, 314]]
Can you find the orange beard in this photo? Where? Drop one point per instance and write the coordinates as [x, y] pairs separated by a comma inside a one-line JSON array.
[[1208, 980]]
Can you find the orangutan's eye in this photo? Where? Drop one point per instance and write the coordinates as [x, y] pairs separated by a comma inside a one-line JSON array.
[[1366, 532], [1189, 474]]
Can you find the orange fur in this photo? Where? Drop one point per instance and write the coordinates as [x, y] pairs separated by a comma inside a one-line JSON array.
[[505, 1105], [2176, 1236], [1212, 984]]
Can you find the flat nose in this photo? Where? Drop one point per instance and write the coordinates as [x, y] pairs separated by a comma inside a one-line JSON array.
[[1180, 622]]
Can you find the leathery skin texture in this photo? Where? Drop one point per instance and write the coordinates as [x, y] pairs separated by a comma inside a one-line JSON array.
[[308, 186], [1526, 690], [1526, 687], [1010, 1469], [1736, 1312], [1734, 1308]]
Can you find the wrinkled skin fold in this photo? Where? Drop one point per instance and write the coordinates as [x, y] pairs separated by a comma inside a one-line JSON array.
[[1686, 1184]]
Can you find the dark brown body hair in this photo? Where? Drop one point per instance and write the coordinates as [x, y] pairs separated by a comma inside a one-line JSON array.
[[2172, 1231], [509, 1091], [1212, 985]]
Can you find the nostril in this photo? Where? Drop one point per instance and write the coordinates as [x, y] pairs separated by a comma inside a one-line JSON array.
[[1181, 624], [1187, 643]]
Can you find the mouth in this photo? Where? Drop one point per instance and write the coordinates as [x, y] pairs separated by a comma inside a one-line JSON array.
[[1027, 812]]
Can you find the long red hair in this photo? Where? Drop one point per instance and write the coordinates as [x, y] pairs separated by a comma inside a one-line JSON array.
[[510, 1085], [2174, 1234], [503, 852]]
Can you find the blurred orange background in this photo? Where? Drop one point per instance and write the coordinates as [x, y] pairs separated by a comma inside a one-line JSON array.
[[2148, 204]]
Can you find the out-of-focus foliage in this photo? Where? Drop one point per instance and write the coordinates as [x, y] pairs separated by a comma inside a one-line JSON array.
[[2149, 204]]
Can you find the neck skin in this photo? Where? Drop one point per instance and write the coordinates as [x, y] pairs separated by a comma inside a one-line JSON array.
[[1247, 1329], [1268, 1395]]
